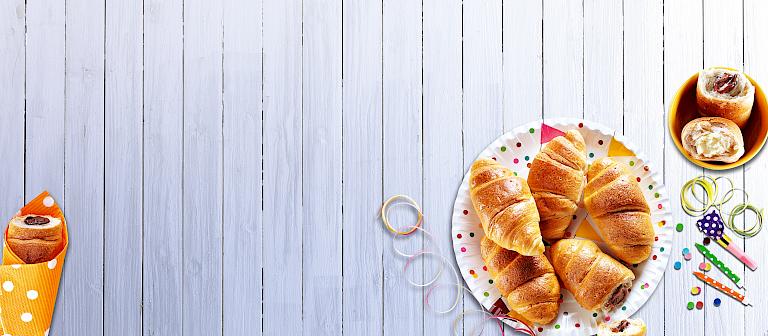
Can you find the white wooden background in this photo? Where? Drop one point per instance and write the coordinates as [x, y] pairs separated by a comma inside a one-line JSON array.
[[221, 163]]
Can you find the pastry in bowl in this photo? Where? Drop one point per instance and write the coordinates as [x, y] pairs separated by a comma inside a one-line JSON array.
[[628, 327], [713, 139], [725, 93]]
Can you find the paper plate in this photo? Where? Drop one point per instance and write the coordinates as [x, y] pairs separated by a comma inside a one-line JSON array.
[[515, 150]]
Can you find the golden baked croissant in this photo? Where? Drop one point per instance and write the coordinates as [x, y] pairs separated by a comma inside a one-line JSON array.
[[597, 281], [505, 206], [528, 282], [556, 179], [618, 207]]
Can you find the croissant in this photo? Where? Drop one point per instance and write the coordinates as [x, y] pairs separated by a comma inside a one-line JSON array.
[[505, 206], [619, 209], [528, 282], [556, 179], [596, 280]]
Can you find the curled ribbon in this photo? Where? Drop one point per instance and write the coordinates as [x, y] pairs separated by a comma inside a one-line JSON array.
[[444, 265], [710, 198]]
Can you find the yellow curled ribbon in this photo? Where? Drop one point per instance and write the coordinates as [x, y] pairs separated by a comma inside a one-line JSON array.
[[710, 198], [407, 201]]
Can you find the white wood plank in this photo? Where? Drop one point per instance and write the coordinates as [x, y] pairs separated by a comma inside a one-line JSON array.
[[403, 313], [243, 222], [755, 54], [644, 121], [283, 233], [482, 71], [482, 105], [723, 45], [123, 168], [563, 58], [683, 57], [84, 170], [12, 58], [443, 152], [603, 64], [362, 301], [522, 67], [202, 171], [162, 187], [44, 134], [322, 159]]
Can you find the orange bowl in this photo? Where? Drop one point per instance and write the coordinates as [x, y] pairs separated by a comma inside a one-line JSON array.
[[683, 109]]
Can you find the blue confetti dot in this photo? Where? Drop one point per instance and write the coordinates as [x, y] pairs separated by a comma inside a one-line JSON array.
[[678, 265], [686, 251], [717, 302]]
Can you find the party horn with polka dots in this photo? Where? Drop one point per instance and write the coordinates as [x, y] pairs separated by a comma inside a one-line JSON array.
[[723, 288], [29, 290]]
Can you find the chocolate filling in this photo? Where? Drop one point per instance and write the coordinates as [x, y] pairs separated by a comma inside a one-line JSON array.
[[617, 297], [725, 83], [622, 325], [36, 220]]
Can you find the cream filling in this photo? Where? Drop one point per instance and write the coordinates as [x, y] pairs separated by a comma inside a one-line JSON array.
[[712, 143]]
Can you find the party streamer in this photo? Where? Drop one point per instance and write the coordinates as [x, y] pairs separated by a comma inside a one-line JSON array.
[[431, 284]]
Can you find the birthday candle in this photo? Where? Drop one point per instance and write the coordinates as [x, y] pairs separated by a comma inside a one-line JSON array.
[[719, 264], [723, 288]]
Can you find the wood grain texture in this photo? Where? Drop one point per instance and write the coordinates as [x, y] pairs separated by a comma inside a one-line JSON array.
[[123, 103], [44, 89], [403, 166], [443, 152], [644, 121], [83, 288], [755, 54], [12, 77], [522, 67], [483, 118], [163, 156], [603, 62], [683, 56], [362, 301], [322, 164], [563, 37], [245, 147], [243, 140], [283, 291], [723, 46], [202, 171]]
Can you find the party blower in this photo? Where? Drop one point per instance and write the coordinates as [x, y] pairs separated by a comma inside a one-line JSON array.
[[723, 288], [711, 225]]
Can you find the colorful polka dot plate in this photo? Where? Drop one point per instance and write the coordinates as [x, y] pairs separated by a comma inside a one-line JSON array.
[[516, 149]]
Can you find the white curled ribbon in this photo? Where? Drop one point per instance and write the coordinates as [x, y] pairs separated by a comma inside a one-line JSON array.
[[432, 284]]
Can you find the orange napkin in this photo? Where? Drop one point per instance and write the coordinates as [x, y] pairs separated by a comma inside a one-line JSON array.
[[28, 291]]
